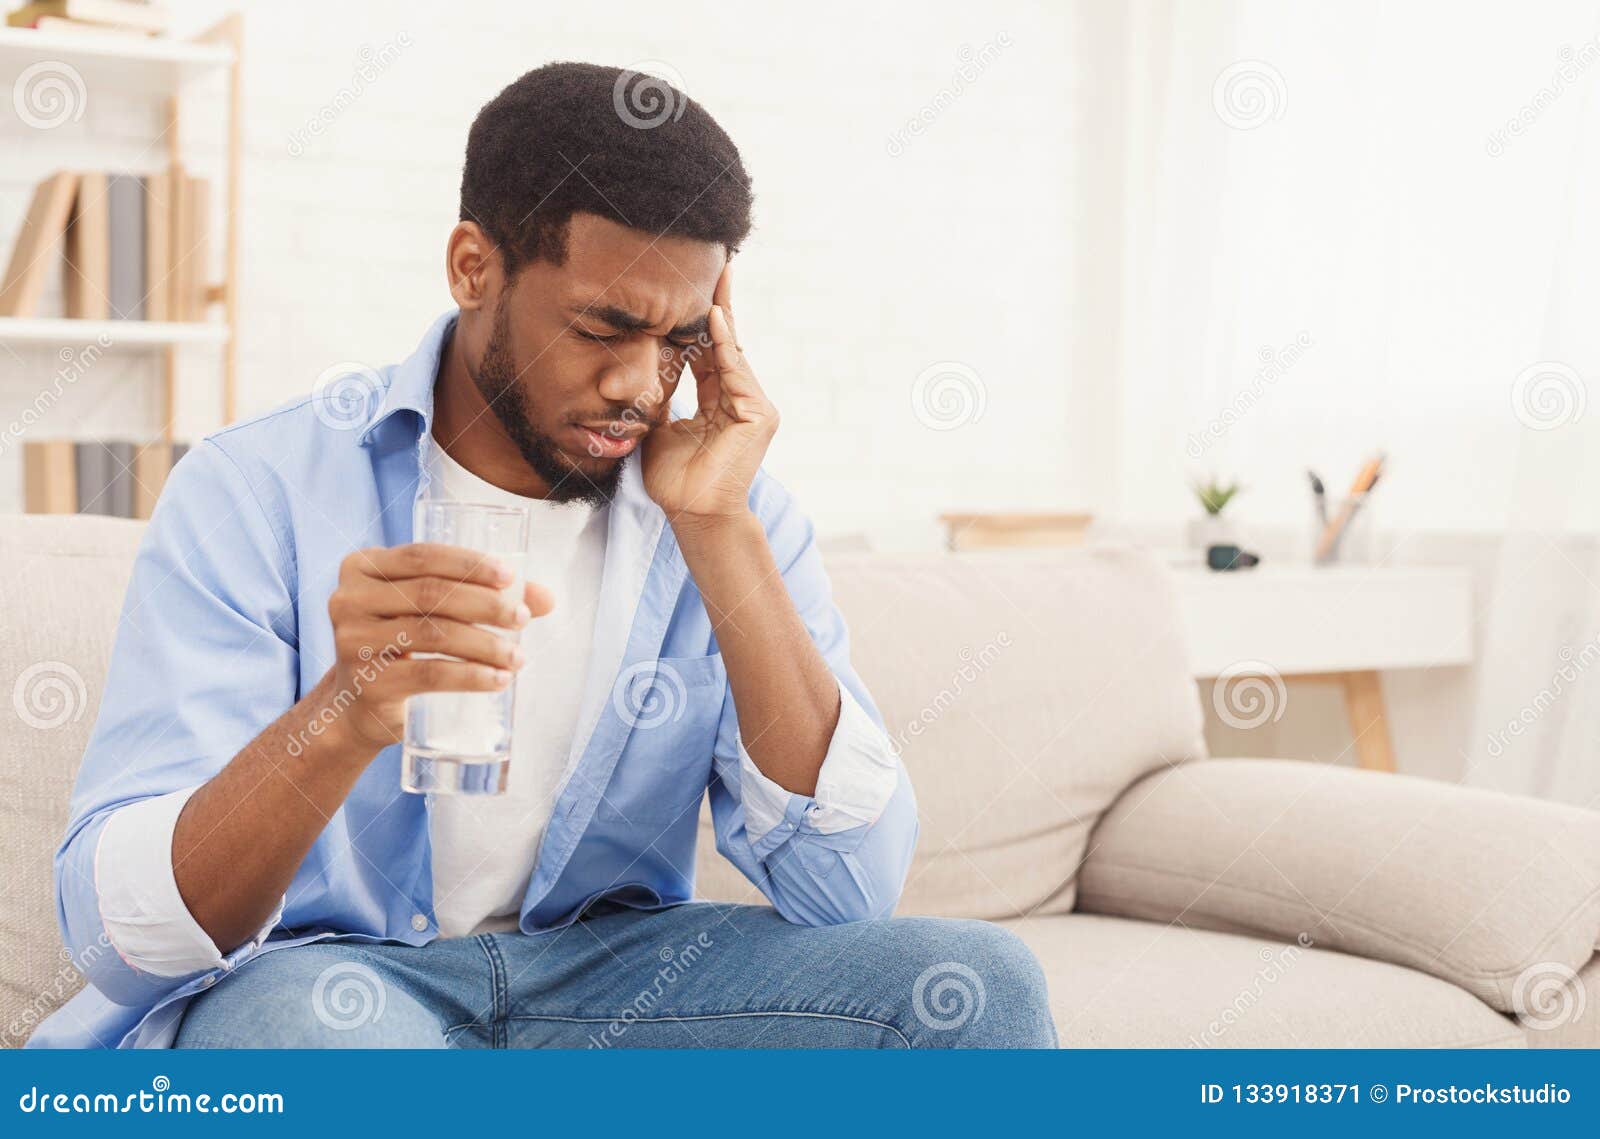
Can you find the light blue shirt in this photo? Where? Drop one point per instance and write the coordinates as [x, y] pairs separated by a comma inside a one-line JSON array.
[[225, 626]]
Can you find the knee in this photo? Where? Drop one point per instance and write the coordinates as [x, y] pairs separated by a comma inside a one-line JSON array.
[[975, 985]]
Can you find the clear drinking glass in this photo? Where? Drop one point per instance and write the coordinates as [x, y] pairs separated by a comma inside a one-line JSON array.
[[459, 743]]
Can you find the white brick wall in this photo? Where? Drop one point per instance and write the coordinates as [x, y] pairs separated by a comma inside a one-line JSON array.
[[865, 268]]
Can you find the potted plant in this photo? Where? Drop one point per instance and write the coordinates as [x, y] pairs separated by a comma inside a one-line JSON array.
[[1211, 528]]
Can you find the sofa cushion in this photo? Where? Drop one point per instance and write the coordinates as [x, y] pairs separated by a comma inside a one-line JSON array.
[[65, 577], [1025, 690], [1116, 983], [1486, 890]]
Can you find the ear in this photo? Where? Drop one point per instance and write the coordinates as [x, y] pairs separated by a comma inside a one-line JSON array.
[[473, 267]]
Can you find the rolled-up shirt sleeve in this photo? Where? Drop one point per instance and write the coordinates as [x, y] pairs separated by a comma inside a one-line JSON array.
[[145, 917], [856, 782]]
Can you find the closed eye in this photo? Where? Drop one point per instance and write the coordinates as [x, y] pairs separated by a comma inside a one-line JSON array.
[[597, 337]]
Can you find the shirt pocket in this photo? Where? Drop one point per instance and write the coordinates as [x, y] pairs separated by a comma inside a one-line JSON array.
[[675, 706]]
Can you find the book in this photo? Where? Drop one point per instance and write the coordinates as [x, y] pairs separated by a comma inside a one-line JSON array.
[[1009, 531], [135, 15], [126, 210], [96, 473], [157, 246], [80, 28], [122, 485], [49, 477], [42, 232], [151, 465], [197, 201], [179, 265], [88, 254]]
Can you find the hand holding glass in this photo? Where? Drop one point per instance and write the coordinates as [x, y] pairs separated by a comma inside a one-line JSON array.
[[459, 743]]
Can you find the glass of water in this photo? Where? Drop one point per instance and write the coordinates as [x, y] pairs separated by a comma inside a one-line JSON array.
[[459, 743]]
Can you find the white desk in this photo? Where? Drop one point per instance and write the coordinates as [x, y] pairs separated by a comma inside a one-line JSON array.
[[1339, 624]]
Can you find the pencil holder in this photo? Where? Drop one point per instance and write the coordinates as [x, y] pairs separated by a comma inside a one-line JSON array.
[[1346, 537]]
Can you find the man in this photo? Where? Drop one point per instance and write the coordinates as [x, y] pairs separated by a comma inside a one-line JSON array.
[[239, 837]]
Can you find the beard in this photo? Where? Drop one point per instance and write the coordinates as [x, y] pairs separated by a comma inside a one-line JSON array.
[[497, 382]]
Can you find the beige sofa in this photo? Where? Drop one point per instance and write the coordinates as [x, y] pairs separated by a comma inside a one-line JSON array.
[[1051, 727]]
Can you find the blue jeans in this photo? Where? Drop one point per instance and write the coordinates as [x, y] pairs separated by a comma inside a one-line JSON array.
[[700, 975]]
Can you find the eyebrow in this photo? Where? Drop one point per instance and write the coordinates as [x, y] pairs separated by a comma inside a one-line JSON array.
[[624, 321]]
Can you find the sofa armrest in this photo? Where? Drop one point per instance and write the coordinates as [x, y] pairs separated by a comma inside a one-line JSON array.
[[1492, 892]]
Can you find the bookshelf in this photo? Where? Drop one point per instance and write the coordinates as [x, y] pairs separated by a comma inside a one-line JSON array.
[[162, 68], [132, 334], [129, 64]]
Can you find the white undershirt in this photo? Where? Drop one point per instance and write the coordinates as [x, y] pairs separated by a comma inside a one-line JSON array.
[[485, 847]]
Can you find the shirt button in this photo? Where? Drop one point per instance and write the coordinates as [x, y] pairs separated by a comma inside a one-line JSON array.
[[419, 922]]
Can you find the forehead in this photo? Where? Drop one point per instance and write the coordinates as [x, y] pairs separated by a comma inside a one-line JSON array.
[[662, 279]]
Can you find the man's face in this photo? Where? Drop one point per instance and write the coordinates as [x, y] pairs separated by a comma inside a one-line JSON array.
[[581, 358]]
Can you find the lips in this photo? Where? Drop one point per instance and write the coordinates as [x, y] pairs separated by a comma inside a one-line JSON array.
[[606, 441]]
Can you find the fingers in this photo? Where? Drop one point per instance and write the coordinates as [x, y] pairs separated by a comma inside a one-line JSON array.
[[722, 297], [737, 380], [438, 597], [390, 639], [426, 559], [439, 674], [538, 599]]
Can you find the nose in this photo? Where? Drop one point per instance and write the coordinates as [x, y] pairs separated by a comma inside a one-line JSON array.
[[634, 375]]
